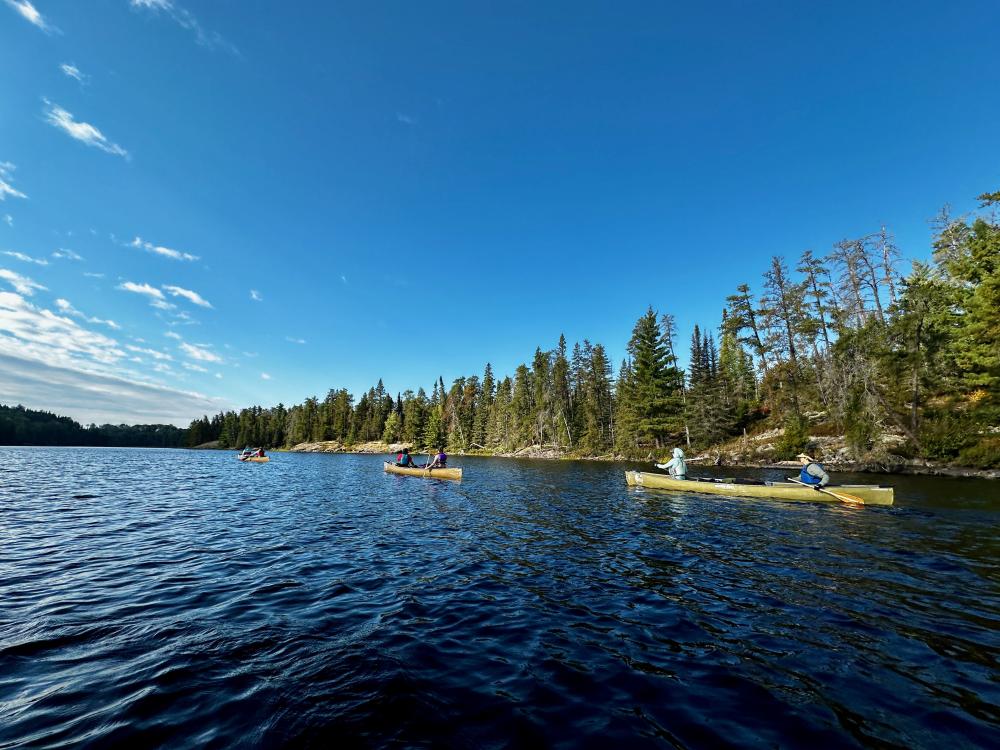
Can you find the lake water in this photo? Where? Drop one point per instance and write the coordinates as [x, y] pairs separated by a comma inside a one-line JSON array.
[[185, 600]]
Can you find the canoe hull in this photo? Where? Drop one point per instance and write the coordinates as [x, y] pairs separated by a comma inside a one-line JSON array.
[[870, 494], [431, 473], [254, 460]]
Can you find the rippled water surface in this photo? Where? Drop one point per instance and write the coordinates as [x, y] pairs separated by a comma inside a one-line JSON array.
[[182, 599]]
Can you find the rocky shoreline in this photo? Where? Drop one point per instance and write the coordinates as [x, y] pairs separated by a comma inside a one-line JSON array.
[[886, 463]]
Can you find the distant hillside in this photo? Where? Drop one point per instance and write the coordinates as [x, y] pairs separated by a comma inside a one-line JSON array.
[[21, 426]]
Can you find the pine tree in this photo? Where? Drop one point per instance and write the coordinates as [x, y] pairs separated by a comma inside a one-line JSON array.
[[561, 396], [522, 408], [484, 413]]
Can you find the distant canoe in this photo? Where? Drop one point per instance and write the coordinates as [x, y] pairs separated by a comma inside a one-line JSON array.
[[253, 459], [871, 494], [432, 473]]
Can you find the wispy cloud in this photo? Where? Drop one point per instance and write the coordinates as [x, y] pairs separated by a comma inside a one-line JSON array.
[[166, 252], [84, 132], [92, 275], [193, 297], [74, 72], [66, 254], [265, 376], [186, 20], [173, 335], [218, 375], [6, 189], [26, 258], [294, 340], [255, 295], [30, 13], [22, 284], [405, 119], [88, 392], [157, 355], [67, 308], [194, 368], [154, 295], [8, 220], [28, 331], [343, 279], [200, 353]]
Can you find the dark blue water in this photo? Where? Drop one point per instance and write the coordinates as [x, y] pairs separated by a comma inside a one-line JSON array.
[[182, 599]]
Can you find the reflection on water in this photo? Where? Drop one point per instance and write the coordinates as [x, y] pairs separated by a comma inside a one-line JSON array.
[[184, 599]]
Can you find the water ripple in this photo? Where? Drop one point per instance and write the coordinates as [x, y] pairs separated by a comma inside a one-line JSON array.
[[181, 599]]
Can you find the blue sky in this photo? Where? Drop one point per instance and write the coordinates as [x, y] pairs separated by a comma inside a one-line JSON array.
[[208, 205]]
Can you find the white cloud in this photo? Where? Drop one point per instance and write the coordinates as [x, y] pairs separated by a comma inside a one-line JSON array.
[[265, 376], [155, 296], [92, 275], [73, 72], [30, 13], [200, 353], [186, 20], [194, 368], [405, 119], [343, 278], [6, 189], [81, 131], [65, 253], [28, 331], [21, 284], [187, 294], [218, 375], [161, 356], [8, 220], [166, 252], [99, 397], [67, 308], [255, 295], [26, 258], [295, 341], [173, 335]]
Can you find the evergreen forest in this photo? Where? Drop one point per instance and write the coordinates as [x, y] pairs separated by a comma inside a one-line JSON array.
[[21, 426], [841, 342]]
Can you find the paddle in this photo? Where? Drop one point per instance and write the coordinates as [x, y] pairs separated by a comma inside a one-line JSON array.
[[843, 497]]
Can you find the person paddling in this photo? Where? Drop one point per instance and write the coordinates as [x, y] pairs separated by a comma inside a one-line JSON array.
[[812, 473], [405, 459], [440, 460], [677, 466]]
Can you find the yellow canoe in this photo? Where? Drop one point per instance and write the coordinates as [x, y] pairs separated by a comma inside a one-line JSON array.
[[432, 473], [254, 459], [871, 494]]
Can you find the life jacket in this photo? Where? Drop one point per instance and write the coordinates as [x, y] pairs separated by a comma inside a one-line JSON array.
[[806, 478], [442, 459], [399, 458]]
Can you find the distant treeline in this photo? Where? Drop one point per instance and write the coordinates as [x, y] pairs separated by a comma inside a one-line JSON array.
[[843, 344], [20, 426]]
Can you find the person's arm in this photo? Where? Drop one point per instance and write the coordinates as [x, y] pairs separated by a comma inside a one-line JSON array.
[[817, 471]]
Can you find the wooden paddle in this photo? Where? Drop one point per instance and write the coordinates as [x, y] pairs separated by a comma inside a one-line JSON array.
[[842, 496]]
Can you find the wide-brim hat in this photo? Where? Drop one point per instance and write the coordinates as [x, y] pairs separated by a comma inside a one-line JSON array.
[[806, 456]]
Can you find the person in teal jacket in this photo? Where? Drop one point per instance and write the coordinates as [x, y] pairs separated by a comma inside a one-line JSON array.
[[677, 466]]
